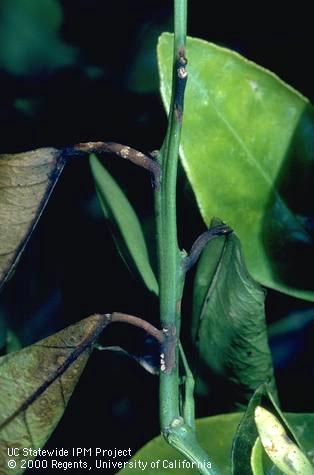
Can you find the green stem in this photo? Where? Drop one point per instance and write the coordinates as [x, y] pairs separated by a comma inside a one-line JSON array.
[[169, 256], [178, 432]]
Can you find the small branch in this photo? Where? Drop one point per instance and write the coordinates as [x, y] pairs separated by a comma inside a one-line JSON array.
[[201, 242], [136, 322], [123, 151]]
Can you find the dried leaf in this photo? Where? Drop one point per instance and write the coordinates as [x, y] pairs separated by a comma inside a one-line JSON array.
[[26, 182], [36, 384]]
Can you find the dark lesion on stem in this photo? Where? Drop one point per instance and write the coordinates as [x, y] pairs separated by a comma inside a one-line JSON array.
[[181, 76], [201, 242], [168, 349], [122, 151]]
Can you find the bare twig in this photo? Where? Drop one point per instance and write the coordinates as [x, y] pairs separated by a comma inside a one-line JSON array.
[[123, 151], [201, 242], [137, 322]]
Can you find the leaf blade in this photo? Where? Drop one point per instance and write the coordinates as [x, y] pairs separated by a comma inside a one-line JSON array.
[[118, 210], [26, 181], [215, 435], [245, 135], [228, 321], [37, 382]]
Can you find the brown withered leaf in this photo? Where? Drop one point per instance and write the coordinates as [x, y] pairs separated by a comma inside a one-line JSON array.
[[36, 383], [26, 182]]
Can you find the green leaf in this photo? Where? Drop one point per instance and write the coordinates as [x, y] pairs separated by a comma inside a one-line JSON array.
[[247, 149], [127, 229], [26, 182], [247, 433], [214, 434], [37, 383], [246, 436], [257, 458], [228, 324]]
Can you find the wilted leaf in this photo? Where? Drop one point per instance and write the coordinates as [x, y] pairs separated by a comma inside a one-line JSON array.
[[247, 148], [26, 181], [228, 327], [36, 384], [127, 230]]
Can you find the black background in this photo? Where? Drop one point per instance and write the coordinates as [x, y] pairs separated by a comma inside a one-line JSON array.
[[70, 268]]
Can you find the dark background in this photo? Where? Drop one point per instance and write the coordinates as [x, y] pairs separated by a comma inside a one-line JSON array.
[[88, 72]]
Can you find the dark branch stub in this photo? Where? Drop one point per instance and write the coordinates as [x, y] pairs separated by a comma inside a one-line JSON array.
[[137, 322], [123, 151], [201, 242]]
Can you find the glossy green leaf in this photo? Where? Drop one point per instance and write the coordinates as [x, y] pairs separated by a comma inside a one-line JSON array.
[[214, 434], [36, 385], [228, 325], [127, 230], [247, 149], [246, 436], [257, 458]]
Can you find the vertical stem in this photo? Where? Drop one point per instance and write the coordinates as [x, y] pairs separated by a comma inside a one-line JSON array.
[[169, 256], [178, 432]]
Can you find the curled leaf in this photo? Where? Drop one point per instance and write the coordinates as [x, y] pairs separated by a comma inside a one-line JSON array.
[[36, 384], [26, 182], [228, 325]]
